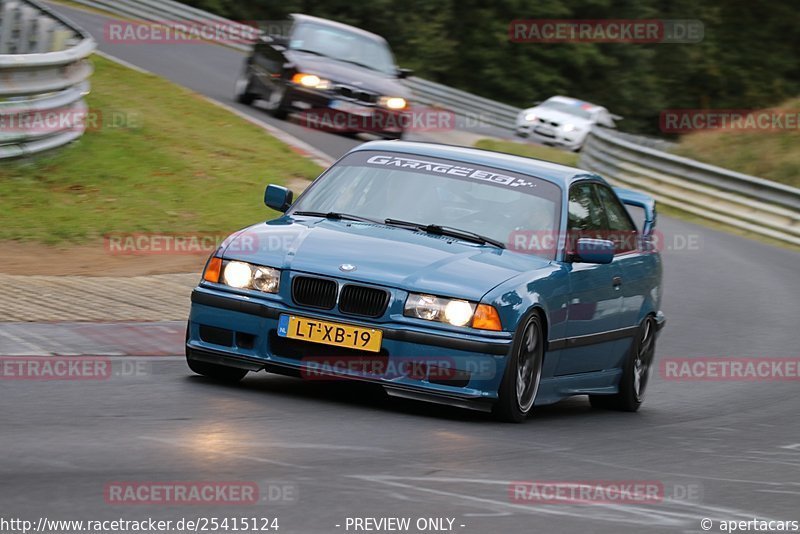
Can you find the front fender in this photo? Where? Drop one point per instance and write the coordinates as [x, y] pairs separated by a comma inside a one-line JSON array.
[[546, 289]]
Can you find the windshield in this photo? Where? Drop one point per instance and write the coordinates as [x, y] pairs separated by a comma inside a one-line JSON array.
[[572, 109], [343, 45], [497, 204]]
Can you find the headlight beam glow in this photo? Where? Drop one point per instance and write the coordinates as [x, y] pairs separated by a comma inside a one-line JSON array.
[[237, 274]]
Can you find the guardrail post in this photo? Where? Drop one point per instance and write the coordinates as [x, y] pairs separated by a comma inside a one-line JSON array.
[[8, 23]]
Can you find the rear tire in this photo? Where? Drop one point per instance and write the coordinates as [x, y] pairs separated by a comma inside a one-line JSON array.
[[635, 374], [523, 372]]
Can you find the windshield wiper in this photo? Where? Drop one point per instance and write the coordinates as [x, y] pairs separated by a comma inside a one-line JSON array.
[[307, 51], [446, 231], [337, 216], [357, 64]]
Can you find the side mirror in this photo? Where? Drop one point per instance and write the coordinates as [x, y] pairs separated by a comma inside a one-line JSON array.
[[278, 197], [606, 122], [278, 42], [404, 73], [589, 250]]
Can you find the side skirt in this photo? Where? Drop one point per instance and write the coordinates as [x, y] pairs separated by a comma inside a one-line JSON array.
[[604, 382]]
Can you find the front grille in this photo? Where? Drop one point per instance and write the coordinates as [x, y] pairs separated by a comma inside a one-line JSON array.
[[314, 292], [351, 93], [548, 123], [362, 300]]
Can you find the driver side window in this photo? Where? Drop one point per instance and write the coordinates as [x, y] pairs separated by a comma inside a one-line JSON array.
[[585, 217], [621, 229], [585, 212]]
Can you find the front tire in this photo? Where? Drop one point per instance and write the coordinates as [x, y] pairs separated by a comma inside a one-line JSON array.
[[635, 374], [276, 102], [243, 94], [523, 372]]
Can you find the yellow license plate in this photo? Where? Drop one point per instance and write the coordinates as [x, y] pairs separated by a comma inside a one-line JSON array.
[[336, 334]]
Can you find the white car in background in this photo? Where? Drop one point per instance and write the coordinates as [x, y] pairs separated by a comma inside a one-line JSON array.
[[562, 121]]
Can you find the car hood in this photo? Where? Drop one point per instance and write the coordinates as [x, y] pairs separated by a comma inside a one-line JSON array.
[[388, 256], [557, 116], [347, 74]]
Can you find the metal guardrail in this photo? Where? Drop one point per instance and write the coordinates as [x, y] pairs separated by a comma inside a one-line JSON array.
[[760, 206], [463, 103], [43, 78], [167, 13]]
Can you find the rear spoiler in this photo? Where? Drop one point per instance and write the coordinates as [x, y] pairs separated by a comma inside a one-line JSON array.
[[640, 200]]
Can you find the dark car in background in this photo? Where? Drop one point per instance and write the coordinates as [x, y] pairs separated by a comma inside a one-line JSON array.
[[339, 77]]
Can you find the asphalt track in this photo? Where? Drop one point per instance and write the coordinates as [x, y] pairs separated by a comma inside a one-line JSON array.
[[724, 450]]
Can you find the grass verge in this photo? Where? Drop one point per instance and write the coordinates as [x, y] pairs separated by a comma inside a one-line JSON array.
[[772, 153], [161, 159]]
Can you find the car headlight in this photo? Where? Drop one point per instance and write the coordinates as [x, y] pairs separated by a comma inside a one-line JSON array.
[[569, 127], [456, 312], [242, 275], [311, 81], [530, 117], [393, 102], [237, 274], [266, 279]]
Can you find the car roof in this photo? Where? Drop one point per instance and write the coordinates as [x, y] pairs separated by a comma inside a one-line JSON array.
[[562, 175], [299, 17], [588, 106]]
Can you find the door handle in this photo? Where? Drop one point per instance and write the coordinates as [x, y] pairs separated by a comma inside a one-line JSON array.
[[616, 282]]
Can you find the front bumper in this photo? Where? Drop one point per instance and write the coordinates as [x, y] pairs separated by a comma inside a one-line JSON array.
[[475, 363], [317, 111], [572, 140], [661, 321]]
